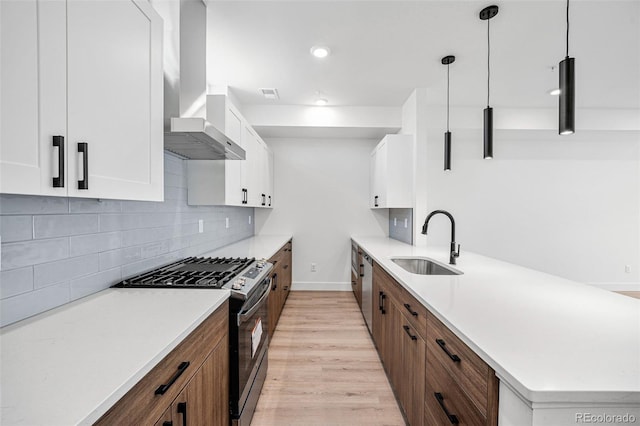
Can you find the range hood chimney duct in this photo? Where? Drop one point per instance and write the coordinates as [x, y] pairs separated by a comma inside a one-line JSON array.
[[188, 132]]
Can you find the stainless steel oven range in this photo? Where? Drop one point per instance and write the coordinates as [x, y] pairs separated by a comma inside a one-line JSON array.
[[249, 281]]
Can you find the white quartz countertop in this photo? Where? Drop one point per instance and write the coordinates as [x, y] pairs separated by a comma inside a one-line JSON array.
[[70, 365], [258, 246], [549, 338]]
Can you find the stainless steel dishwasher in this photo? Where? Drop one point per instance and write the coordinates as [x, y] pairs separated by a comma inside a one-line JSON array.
[[367, 291]]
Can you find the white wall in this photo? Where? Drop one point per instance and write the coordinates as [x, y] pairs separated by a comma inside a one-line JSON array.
[[569, 206], [321, 198]]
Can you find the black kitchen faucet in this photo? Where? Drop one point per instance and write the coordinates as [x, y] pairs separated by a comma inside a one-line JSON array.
[[453, 253]]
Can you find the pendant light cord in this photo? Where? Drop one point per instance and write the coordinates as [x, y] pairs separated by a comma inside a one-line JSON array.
[[488, 61], [447, 97], [567, 29]]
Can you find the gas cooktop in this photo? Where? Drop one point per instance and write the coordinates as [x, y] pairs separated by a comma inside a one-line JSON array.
[[194, 272]]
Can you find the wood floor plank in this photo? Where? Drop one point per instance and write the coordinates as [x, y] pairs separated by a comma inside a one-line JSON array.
[[323, 367]]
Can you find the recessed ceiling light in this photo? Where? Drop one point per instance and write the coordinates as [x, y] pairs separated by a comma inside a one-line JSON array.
[[271, 94], [321, 102], [320, 51], [554, 92]]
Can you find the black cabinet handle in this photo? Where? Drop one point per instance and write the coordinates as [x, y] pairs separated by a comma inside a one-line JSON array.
[[411, 311], [58, 142], [362, 269], [452, 418], [181, 368], [264, 199], [285, 288], [274, 281], [353, 283], [167, 423], [285, 266], [83, 148], [382, 298], [406, 329], [182, 409], [269, 200], [443, 346], [375, 201]]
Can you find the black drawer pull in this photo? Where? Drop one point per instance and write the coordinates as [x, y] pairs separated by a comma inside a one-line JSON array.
[[285, 266], [375, 201], [411, 311], [58, 142], [274, 280], [362, 269], [83, 148], [452, 417], [443, 346], [269, 200], [382, 296], [181, 368], [182, 409], [286, 288], [406, 328], [353, 283], [167, 423]]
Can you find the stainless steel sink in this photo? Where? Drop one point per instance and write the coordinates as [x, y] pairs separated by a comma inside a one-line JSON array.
[[424, 266]]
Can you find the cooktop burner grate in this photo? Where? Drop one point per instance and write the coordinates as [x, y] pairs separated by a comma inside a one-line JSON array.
[[202, 272]]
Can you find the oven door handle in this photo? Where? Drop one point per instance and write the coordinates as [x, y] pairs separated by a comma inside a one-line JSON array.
[[242, 317]]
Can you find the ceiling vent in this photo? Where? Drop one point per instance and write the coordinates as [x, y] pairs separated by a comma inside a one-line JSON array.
[[271, 94]]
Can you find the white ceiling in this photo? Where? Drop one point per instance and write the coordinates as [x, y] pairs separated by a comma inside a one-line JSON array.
[[382, 50]]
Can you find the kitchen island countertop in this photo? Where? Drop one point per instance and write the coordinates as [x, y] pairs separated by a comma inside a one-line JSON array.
[[551, 339]]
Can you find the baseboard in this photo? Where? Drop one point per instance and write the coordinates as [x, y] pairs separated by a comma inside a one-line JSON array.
[[618, 286], [320, 286]]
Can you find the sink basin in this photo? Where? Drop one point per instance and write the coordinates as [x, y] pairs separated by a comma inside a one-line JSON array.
[[424, 266]]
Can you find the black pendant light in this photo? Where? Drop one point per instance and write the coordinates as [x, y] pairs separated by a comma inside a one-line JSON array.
[[447, 60], [567, 117], [486, 14]]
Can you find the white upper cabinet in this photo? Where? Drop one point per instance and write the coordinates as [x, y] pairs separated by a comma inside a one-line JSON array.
[[231, 182], [82, 91], [391, 173]]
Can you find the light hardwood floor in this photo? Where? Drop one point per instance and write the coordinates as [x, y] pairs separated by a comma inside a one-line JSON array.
[[323, 367]]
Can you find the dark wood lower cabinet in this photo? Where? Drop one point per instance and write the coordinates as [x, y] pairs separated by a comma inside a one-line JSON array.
[[281, 278], [431, 387], [204, 400]]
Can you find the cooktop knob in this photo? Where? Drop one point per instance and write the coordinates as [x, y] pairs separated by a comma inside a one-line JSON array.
[[236, 285], [261, 263]]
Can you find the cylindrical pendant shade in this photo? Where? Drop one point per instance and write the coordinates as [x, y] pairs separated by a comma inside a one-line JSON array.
[[488, 133], [567, 117], [447, 150]]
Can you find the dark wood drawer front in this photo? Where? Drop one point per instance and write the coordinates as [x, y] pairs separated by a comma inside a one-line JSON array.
[[451, 404], [141, 405], [414, 311], [465, 367]]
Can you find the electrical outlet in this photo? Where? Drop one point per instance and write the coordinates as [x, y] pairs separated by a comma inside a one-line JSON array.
[[406, 222], [627, 269], [200, 226], [226, 222], [313, 267]]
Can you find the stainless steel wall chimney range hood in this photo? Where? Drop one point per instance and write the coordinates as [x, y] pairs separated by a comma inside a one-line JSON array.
[[188, 131]]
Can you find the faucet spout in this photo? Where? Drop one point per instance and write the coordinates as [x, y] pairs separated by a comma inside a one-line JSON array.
[[454, 253]]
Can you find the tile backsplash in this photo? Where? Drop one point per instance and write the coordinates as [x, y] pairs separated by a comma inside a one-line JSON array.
[[55, 249], [401, 225]]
